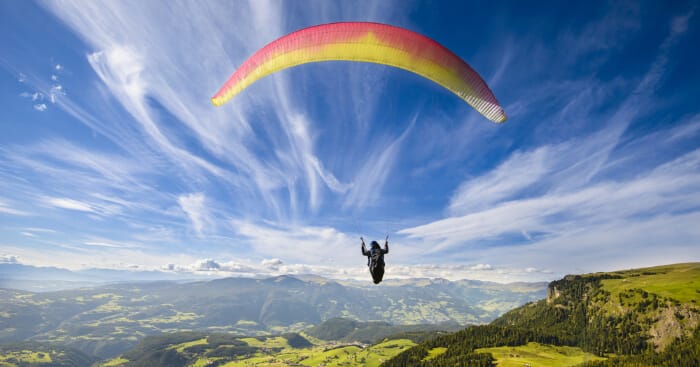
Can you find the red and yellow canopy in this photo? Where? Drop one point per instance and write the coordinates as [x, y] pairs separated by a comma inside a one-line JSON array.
[[367, 42]]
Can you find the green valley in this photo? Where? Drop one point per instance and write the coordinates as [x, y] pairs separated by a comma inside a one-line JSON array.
[[108, 320]]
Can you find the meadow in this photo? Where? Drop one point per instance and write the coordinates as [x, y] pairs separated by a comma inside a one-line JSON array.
[[540, 355]]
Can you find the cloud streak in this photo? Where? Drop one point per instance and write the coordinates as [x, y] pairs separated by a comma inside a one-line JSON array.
[[548, 202], [194, 205], [70, 204]]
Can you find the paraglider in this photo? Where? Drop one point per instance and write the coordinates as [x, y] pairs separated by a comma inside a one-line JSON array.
[[367, 42], [374, 43], [375, 258]]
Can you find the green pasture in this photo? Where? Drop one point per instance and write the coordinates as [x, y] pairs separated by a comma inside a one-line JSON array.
[[679, 281], [181, 347], [328, 355], [434, 353], [540, 355], [114, 362], [24, 357]]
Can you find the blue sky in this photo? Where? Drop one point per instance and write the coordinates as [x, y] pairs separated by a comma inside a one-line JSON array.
[[111, 154]]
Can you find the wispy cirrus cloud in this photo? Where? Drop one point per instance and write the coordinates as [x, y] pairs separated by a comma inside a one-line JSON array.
[[194, 205], [43, 90], [100, 242], [71, 204], [667, 189], [312, 244], [125, 61], [291, 181], [547, 202], [507, 181], [7, 208], [84, 179], [373, 174]]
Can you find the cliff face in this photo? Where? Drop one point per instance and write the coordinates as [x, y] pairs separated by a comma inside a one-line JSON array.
[[552, 294], [673, 323], [621, 312]]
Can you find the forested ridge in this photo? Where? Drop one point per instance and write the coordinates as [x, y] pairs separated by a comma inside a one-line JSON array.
[[605, 314]]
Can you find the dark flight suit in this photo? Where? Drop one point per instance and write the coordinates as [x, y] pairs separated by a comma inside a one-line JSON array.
[[376, 266]]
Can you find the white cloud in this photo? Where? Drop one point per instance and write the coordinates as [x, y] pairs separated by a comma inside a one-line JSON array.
[[206, 265], [272, 263], [482, 267], [121, 69], [508, 180], [37, 96], [43, 90], [604, 226], [102, 244], [237, 267], [557, 191], [309, 244], [213, 267], [106, 184], [370, 178], [140, 60], [66, 160], [6, 208], [110, 244], [65, 203], [8, 259], [664, 190], [275, 267], [194, 205], [56, 92], [61, 253]]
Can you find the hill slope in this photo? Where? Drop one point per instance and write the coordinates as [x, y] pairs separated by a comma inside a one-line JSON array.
[[347, 330], [291, 349], [639, 316], [38, 354]]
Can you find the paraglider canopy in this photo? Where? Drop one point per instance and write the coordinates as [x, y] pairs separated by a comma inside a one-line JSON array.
[[367, 42]]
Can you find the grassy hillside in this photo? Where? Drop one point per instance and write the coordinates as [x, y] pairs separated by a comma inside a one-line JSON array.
[[680, 282], [196, 349], [535, 354], [628, 317], [347, 330], [37, 355]]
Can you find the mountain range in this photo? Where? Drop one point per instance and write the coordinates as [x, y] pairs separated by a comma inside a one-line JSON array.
[[109, 319]]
